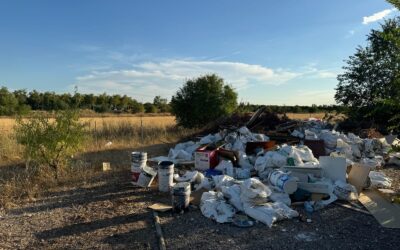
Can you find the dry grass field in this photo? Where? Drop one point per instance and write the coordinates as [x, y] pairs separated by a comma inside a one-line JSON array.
[[7, 123]]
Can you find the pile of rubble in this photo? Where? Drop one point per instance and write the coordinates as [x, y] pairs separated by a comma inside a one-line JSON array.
[[235, 171]]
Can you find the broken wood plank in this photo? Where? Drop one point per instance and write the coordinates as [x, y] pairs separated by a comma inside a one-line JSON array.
[[161, 241], [353, 208]]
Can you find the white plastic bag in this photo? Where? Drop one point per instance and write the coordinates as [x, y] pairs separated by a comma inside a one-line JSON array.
[[232, 193], [223, 180], [269, 213], [254, 192], [214, 206], [189, 176], [226, 167], [379, 180]]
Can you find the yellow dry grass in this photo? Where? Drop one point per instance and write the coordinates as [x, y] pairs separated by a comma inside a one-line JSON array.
[[7, 123]]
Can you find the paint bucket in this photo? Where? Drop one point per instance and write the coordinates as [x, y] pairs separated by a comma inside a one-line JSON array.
[[180, 196], [146, 177], [283, 181], [165, 175], [138, 159]]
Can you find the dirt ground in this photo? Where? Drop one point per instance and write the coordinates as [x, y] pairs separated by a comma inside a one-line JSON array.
[[109, 213]]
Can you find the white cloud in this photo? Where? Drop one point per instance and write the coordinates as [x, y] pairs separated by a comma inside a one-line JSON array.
[[164, 78], [377, 16]]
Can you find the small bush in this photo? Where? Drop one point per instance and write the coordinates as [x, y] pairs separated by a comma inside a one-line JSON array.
[[51, 142]]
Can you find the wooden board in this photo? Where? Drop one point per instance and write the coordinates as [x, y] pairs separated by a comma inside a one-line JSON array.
[[159, 207], [386, 213]]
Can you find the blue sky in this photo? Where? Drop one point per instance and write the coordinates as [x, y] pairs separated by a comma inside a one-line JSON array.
[[271, 52]]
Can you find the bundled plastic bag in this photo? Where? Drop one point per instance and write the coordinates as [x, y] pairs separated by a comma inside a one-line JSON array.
[[179, 154], [305, 153], [189, 176], [280, 196], [291, 152], [223, 180], [232, 193], [226, 167], [254, 192], [204, 182], [394, 159], [345, 191], [269, 213], [214, 206], [379, 180], [344, 149], [330, 140]]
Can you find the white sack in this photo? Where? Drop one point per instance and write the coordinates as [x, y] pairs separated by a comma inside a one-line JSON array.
[[214, 206]]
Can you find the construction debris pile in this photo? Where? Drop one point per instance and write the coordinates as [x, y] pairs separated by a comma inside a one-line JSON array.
[[235, 171]]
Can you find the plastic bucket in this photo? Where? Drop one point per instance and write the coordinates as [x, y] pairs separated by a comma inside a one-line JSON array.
[[146, 177], [283, 181], [180, 196], [165, 176], [138, 159]]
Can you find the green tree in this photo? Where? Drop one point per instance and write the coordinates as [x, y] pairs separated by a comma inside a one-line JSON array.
[[396, 3], [203, 100], [371, 78], [161, 104], [150, 108], [8, 102], [136, 107]]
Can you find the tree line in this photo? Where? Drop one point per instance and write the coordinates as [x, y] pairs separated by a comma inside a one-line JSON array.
[[21, 102]]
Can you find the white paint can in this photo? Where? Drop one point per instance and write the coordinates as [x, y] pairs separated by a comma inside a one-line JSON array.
[[165, 176], [283, 181], [146, 177]]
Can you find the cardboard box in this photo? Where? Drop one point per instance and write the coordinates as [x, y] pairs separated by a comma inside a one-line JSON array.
[[205, 158]]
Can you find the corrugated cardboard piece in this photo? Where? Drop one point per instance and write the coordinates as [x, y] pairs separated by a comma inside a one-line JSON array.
[[386, 213]]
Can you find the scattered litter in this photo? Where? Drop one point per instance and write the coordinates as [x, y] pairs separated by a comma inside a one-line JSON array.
[[241, 220], [235, 174], [306, 236], [106, 166]]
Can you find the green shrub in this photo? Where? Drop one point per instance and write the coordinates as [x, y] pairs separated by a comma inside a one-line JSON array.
[[203, 100], [51, 142]]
